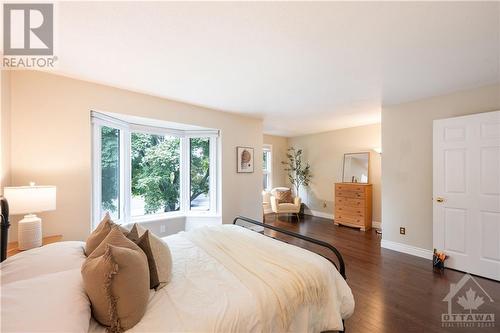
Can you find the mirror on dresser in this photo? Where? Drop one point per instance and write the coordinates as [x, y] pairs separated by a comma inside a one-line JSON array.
[[353, 196], [356, 168]]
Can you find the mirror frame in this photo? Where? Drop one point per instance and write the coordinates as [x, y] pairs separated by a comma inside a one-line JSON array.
[[343, 167]]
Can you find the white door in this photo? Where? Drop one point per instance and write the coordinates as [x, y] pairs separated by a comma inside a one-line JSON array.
[[467, 192]]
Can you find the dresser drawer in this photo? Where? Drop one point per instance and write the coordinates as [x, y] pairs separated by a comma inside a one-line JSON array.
[[352, 211], [350, 220], [350, 187], [350, 194], [351, 202]]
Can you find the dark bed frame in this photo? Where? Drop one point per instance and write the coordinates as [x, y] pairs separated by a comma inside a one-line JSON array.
[[340, 266], [4, 228]]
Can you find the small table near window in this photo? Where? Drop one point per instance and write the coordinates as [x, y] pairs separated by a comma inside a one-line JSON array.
[[12, 247]]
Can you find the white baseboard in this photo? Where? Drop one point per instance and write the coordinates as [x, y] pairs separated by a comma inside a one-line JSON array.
[[408, 249], [375, 224], [318, 214]]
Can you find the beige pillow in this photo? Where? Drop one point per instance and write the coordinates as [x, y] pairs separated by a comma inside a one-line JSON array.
[[284, 196], [102, 230], [158, 253], [116, 280]]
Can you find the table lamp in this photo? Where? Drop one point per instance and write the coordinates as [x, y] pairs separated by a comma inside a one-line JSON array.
[[29, 200]]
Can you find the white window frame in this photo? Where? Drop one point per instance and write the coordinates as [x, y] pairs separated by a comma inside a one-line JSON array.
[[213, 171], [268, 149], [126, 129], [97, 123]]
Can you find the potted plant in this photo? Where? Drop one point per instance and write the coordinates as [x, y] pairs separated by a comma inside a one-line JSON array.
[[299, 173]]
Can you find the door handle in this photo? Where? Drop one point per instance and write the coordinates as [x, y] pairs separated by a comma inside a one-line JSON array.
[[440, 199]]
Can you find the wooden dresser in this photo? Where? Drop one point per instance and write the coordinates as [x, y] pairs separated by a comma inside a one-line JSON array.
[[353, 205]]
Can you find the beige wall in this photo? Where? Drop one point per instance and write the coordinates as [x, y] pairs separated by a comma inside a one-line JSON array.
[[279, 148], [51, 143], [325, 152], [5, 130], [407, 160]]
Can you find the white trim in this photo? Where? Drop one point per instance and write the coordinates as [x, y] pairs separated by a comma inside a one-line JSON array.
[[185, 172], [170, 130], [201, 133], [96, 174], [377, 224], [157, 217], [408, 249], [213, 175], [102, 119], [124, 181], [317, 213], [218, 172], [160, 131]]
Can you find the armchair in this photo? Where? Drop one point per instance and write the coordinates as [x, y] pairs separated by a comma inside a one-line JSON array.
[[285, 208]]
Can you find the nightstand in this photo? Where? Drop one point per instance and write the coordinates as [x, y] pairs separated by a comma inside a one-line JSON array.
[[12, 247]]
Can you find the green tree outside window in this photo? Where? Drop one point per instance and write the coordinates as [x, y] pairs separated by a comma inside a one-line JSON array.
[[155, 168]]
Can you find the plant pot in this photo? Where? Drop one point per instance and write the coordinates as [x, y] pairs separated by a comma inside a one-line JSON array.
[[302, 208]]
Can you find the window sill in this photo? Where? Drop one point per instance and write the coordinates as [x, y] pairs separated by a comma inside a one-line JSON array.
[[173, 216], [201, 213], [159, 217]]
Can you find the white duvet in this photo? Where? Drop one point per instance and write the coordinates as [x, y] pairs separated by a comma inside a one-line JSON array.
[[42, 290]]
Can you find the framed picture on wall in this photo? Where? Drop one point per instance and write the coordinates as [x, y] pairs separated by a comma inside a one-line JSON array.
[[244, 159]]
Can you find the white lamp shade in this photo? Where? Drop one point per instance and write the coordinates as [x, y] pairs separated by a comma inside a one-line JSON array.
[[30, 199]]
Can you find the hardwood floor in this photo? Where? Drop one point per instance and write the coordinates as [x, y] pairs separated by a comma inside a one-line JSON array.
[[394, 292]]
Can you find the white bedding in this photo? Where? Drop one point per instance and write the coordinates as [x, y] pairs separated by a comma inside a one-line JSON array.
[[42, 290], [203, 296]]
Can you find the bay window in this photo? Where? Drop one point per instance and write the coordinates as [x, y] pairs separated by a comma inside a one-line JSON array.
[[142, 171]]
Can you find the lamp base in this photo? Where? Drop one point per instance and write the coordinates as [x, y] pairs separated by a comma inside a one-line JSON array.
[[29, 232]]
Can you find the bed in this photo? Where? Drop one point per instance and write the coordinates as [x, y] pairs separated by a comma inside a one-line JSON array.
[[42, 289]]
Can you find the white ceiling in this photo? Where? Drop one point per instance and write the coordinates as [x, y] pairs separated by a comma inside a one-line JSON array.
[[302, 67]]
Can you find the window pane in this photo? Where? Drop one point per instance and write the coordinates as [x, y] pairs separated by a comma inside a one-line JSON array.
[[200, 173], [155, 174], [265, 182], [266, 160], [110, 171]]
